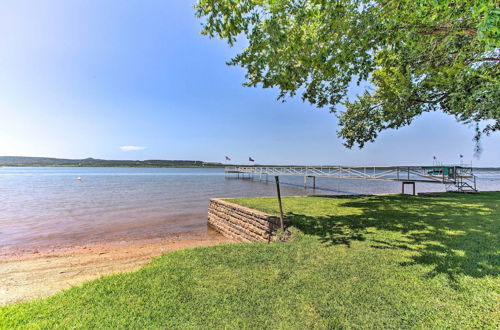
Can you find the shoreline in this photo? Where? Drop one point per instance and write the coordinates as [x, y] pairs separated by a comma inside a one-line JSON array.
[[38, 274], [19, 251]]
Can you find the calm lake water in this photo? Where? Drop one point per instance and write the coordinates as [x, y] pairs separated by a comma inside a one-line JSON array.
[[46, 207]]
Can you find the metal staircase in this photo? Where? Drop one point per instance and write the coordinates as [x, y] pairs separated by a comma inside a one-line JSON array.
[[464, 180]]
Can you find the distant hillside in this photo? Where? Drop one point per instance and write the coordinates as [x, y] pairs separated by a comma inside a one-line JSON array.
[[91, 162]]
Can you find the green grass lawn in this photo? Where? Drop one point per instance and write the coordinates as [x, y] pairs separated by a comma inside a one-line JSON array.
[[371, 262]]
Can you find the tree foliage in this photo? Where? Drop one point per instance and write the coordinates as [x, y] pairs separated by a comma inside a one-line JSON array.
[[418, 56]]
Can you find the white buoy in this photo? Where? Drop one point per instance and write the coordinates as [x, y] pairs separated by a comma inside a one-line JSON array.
[[78, 179]]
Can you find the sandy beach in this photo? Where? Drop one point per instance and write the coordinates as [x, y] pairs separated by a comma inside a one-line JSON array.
[[41, 274]]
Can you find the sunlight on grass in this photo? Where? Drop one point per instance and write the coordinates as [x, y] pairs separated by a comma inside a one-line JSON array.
[[356, 262]]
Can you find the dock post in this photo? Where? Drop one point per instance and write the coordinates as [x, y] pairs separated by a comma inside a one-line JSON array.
[[305, 181], [266, 178], [314, 182], [403, 183]]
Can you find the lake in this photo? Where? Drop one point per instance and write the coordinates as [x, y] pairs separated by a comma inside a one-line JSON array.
[[46, 207]]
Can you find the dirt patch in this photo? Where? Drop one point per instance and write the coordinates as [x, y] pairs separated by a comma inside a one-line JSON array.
[[37, 275]]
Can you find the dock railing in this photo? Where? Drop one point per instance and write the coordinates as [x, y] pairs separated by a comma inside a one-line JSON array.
[[458, 176]]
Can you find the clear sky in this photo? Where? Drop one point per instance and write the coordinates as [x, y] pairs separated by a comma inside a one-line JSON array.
[[121, 79]]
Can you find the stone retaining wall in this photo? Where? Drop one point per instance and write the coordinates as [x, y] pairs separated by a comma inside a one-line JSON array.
[[241, 223]]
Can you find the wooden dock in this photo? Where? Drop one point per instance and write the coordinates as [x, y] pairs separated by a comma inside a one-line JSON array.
[[457, 178]]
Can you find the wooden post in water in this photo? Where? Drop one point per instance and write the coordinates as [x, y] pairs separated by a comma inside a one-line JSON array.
[[277, 178]]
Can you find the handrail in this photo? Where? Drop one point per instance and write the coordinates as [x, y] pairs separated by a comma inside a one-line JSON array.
[[452, 175]]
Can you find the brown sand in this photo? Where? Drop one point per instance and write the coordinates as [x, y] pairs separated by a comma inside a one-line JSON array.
[[35, 275]]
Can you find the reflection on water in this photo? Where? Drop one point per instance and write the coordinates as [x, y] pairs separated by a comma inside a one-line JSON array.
[[48, 206]]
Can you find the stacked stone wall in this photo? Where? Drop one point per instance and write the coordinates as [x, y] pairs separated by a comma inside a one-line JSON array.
[[241, 223]]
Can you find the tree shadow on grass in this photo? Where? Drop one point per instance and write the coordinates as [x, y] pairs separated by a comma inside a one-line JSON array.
[[454, 234]]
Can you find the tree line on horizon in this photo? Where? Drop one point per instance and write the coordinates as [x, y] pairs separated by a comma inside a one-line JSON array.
[[92, 162]]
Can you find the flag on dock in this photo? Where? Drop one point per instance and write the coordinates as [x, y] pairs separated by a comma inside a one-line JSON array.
[[434, 157], [228, 158], [461, 156], [251, 159]]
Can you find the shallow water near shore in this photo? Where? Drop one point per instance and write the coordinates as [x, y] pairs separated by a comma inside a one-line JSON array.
[[47, 208]]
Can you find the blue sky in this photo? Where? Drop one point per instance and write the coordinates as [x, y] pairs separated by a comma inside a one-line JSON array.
[[84, 78]]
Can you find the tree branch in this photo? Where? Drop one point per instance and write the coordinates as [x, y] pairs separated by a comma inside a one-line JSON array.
[[486, 59], [441, 29]]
